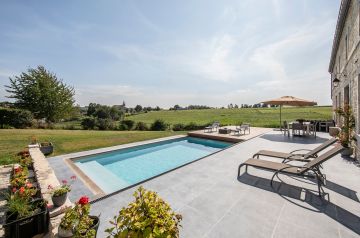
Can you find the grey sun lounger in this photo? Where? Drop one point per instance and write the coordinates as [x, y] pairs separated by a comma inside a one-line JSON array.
[[294, 155], [310, 169]]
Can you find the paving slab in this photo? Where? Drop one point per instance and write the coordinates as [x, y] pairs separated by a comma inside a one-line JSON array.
[[215, 202]]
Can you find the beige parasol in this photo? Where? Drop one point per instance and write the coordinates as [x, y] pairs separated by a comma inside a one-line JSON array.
[[290, 101]]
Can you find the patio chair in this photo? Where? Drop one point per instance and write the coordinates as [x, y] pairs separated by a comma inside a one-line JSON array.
[[294, 155], [211, 128], [245, 127], [285, 128], [312, 128], [309, 170], [297, 129]]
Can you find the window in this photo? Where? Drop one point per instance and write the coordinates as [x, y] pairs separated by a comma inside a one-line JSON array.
[[346, 95], [346, 46]]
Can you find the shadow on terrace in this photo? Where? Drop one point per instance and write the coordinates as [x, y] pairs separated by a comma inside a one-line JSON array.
[[297, 195]]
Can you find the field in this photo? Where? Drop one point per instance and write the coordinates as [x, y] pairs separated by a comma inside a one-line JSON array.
[[67, 141], [261, 117]]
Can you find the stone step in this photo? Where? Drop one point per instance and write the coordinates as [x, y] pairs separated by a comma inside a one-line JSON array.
[[102, 177]]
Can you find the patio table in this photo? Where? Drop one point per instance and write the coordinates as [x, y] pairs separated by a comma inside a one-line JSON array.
[[306, 124]]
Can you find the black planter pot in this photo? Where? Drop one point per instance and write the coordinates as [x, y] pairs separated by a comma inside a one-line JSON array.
[[28, 227], [47, 149], [96, 223], [59, 200]]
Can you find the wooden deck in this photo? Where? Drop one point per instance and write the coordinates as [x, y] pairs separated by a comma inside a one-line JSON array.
[[254, 132]]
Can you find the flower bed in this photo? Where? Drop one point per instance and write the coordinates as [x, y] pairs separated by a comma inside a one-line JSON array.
[[27, 213]]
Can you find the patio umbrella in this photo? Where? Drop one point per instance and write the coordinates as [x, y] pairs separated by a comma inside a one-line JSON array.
[[290, 101]]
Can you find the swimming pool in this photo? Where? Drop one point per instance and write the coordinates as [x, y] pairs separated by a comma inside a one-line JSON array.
[[112, 171]]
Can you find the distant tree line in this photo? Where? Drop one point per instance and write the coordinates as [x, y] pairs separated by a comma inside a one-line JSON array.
[[42, 99], [190, 107], [257, 105]]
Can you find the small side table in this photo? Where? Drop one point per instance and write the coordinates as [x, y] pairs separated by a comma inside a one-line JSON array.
[[224, 131]]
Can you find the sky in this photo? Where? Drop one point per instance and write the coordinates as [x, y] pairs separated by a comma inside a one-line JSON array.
[[202, 52]]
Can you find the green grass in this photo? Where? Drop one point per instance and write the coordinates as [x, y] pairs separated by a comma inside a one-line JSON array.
[[67, 141], [261, 117]]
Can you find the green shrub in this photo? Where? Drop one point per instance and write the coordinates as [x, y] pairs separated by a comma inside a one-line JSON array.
[[159, 125], [147, 216], [178, 127], [105, 124], [141, 126], [88, 123], [191, 126], [126, 125], [17, 118]]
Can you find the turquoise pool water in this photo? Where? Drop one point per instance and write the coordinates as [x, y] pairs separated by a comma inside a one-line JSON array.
[[118, 169]]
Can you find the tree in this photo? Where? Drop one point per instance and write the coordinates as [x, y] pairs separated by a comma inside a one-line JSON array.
[[92, 109], [138, 108], [41, 92]]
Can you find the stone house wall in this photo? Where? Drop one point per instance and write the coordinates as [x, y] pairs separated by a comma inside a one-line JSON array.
[[346, 66]]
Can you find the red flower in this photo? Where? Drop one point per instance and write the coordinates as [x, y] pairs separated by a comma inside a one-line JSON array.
[[64, 181], [17, 170], [28, 185], [83, 200], [14, 190], [21, 190]]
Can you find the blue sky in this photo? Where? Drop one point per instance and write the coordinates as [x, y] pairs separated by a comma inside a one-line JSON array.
[[173, 52]]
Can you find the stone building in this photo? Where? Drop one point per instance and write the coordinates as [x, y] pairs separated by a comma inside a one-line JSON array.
[[345, 62]]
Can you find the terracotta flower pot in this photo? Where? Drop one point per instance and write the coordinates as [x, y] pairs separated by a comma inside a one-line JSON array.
[[59, 200]]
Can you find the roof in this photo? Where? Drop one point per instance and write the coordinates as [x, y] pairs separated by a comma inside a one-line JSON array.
[[343, 11]]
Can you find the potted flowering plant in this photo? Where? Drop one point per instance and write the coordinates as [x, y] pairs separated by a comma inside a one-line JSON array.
[[19, 177], [59, 194], [26, 215], [148, 216], [77, 222], [347, 126]]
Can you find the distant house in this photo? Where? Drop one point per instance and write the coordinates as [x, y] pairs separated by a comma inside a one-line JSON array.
[[345, 61]]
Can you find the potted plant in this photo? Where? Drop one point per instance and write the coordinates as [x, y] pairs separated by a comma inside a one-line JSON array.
[[19, 177], [147, 216], [59, 194], [77, 222], [46, 148], [347, 125], [26, 216]]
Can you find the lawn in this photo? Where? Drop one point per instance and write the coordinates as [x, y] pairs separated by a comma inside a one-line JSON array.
[[261, 117], [67, 141]]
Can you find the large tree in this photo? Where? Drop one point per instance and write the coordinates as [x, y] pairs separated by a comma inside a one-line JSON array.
[[41, 92]]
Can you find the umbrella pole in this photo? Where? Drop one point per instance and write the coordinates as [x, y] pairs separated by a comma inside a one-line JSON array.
[[280, 119]]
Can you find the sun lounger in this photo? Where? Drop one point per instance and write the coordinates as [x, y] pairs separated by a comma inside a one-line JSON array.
[[295, 155], [310, 169]]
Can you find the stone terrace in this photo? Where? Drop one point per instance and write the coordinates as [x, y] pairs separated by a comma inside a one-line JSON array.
[[214, 202]]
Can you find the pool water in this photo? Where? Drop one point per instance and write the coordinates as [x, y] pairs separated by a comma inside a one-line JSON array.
[[119, 169]]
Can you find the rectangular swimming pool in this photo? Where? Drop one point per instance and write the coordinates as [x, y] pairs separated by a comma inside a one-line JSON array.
[[112, 171]]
